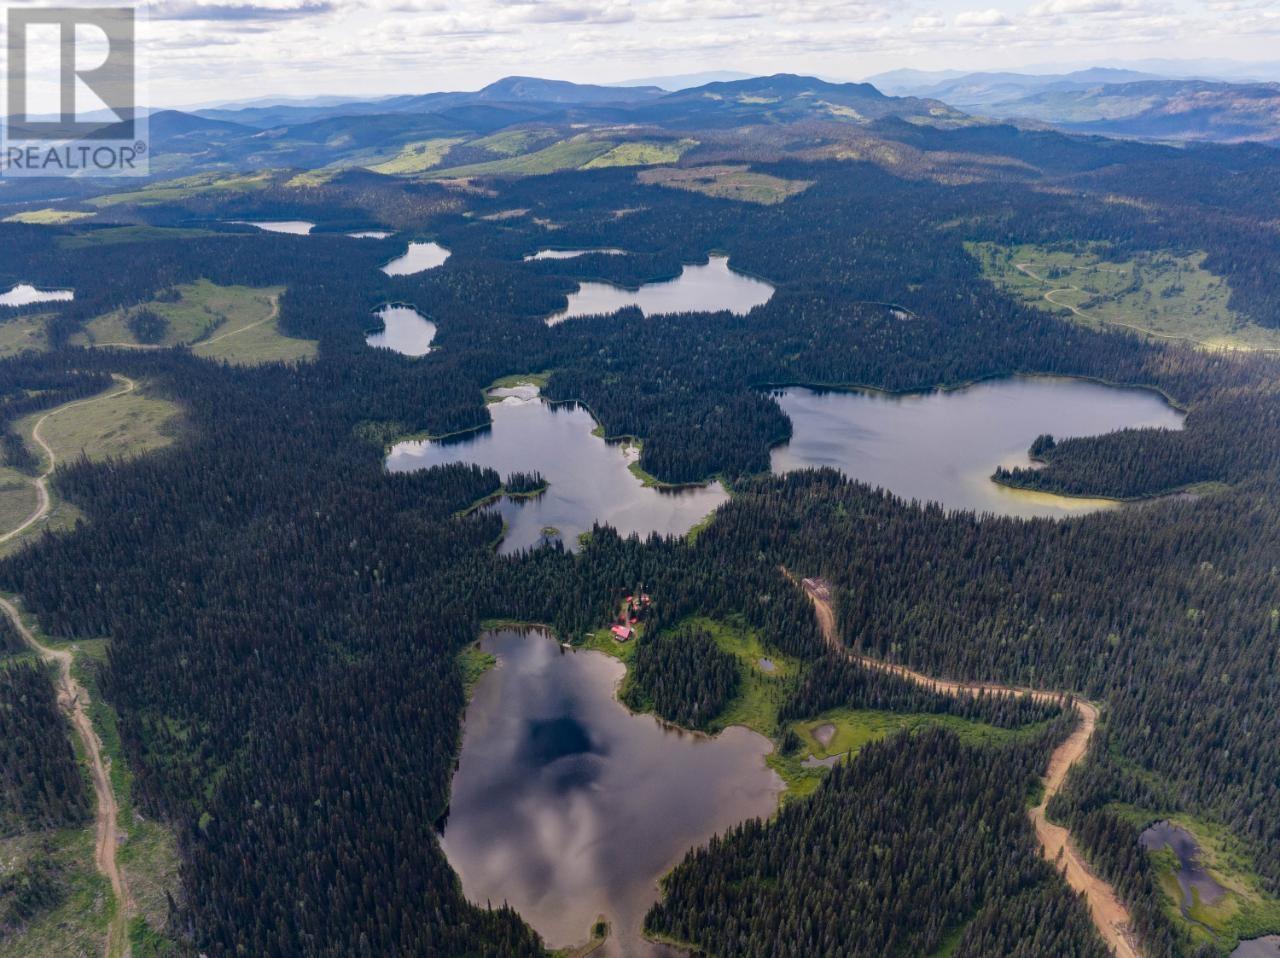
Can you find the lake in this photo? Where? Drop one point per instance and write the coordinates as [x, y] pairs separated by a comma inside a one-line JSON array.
[[699, 289], [568, 807], [1193, 879], [588, 478], [291, 227], [418, 258], [572, 253], [25, 294], [943, 446], [405, 330], [372, 234]]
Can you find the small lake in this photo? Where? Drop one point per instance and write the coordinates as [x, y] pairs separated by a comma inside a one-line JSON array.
[[372, 234], [588, 478], [290, 227], [567, 806], [405, 330], [1193, 879], [943, 446], [572, 253], [25, 294], [418, 258], [698, 289]]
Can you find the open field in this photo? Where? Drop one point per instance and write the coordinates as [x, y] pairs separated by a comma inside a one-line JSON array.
[[1162, 295], [123, 425], [727, 182], [170, 191], [568, 154], [48, 217], [232, 323], [642, 153], [417, 157], [23, 333]]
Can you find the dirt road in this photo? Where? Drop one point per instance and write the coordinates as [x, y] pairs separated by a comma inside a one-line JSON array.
[[74, 701], [42, 481], [1110, 916]]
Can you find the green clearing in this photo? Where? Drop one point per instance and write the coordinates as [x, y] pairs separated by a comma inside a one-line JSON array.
[[417, 157], [1245, 911], [568, 154], [474, 662], [78, 924], [726, 182], [48, 217], [762, 693], [232, 323], [120, 427], [641, 153], [511, 142], [117, 428], [1162, 295], [22, 334], [185, 188]]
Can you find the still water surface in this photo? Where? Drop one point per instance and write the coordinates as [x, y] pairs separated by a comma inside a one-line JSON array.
[[291, 227], [588, 478], [418, 258], [706, 288], [405, 330], [572, 253], [944, 446], [25, 294], [568, 807], [1193, 879]]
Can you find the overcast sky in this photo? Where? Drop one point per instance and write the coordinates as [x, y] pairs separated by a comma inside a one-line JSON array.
[[199, 51]]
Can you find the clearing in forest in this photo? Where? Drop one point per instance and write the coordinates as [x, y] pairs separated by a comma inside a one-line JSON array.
[[237, 324], [727, 182], [1163, 295]]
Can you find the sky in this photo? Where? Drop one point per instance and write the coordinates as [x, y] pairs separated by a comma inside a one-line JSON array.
[[204, 51]]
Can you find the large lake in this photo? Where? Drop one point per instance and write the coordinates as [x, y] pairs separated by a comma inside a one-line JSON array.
[[698, 289], [944, 446], [418, 258], [404, 330], [568, 807], [589, 478], [25, 294]]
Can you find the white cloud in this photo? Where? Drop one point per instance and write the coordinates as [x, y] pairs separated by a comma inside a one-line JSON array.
[[981, 18]]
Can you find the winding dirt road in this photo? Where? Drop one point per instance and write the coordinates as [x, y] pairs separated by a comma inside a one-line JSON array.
[[1110, 915], [74, 701]]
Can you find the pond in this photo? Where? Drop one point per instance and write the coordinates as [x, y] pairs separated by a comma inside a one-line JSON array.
[[589, 479], [25, 294], [418, 258], [1268, 947], [291, 227], [572, 253], [1193, 879], [707, 288], [404, 330], [943, 446], [568, 807]]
